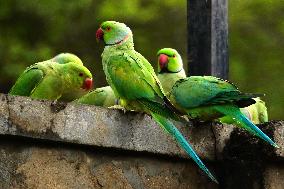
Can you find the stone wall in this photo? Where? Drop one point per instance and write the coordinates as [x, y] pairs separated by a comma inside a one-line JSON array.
[[48, 144]]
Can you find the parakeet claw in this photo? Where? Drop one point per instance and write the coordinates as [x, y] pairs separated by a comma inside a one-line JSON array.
[[118, 107]]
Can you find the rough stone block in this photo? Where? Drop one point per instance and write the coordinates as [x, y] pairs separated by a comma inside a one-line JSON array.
[[273, 177], [41, 165], [278, 136], [97, 126], [222, 133], [4, 113]]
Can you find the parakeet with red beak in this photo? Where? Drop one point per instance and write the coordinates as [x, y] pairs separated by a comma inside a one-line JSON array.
[[205, 97], [134, 81], [170, 70], [52, 80]]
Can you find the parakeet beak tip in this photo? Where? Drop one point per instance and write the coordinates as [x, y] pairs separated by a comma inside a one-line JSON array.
[[99, 34], [163, 60], [88, 84]]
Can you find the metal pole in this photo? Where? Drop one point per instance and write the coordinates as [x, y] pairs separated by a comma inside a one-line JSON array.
[[207, 24]]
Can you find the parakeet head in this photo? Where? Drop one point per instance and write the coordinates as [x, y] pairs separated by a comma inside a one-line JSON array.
[[113, 33], [78, 76], [169, 61], [64, 58]]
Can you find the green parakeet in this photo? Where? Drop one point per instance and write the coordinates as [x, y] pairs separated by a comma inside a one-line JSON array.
[[208, 98], [103, 96], [133, 80], [64, 58], [170, 70], [258, 112], [50, 80]]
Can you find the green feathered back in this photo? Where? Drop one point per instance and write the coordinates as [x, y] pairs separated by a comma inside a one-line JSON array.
[[35, 79], [131, 76], [198, 91], [103, 96], [64, 58], [50, 80]]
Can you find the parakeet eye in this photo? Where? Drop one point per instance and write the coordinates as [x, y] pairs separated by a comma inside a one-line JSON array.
[[81, 74], [174, 56], [108, 28]]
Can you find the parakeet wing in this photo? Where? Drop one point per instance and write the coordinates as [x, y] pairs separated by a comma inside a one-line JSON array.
[[50, 88], [196, 91], [129, 71], [36, 83], [27, 82], [103, 96]]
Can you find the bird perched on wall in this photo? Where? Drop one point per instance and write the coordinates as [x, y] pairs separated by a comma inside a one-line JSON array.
[[134, 81], [208, 98], [170, 70], [53, 80], [103, 96]]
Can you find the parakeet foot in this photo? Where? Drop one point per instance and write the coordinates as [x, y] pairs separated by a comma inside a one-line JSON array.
[[118, 107]]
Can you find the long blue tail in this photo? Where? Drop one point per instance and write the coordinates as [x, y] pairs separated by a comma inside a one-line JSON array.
[[245, 123], [255, 130], [170, 128]]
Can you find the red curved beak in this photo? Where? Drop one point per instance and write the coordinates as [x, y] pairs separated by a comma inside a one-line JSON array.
[[88, 84], [100, 35], [163, 60]]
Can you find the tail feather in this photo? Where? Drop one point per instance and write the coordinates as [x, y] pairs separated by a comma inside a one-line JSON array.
[[245, 123], [161, 109], [170, 128], [254, 129]]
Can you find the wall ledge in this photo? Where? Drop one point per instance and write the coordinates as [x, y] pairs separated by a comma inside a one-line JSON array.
[[97, 126]]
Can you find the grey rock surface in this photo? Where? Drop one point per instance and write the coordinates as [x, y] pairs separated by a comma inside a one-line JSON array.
[[278, 136], [273, 177], [44, 166], [96, 126], [47, 144]]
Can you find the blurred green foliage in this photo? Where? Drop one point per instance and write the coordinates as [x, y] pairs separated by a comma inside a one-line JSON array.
[[256, 39], [36, 30]]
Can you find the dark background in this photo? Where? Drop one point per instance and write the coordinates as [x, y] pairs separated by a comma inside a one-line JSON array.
[[36, 30]]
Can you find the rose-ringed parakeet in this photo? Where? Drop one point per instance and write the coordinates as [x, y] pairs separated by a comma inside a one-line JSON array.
[[207, 98], [51, 80], [133, 80], [103, 96], [258, 113], [64, 58], [170, 70]]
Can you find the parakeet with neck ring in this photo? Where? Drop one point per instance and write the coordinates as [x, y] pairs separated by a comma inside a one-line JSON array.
[[170, 70], [134, 81], [206, 97]]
